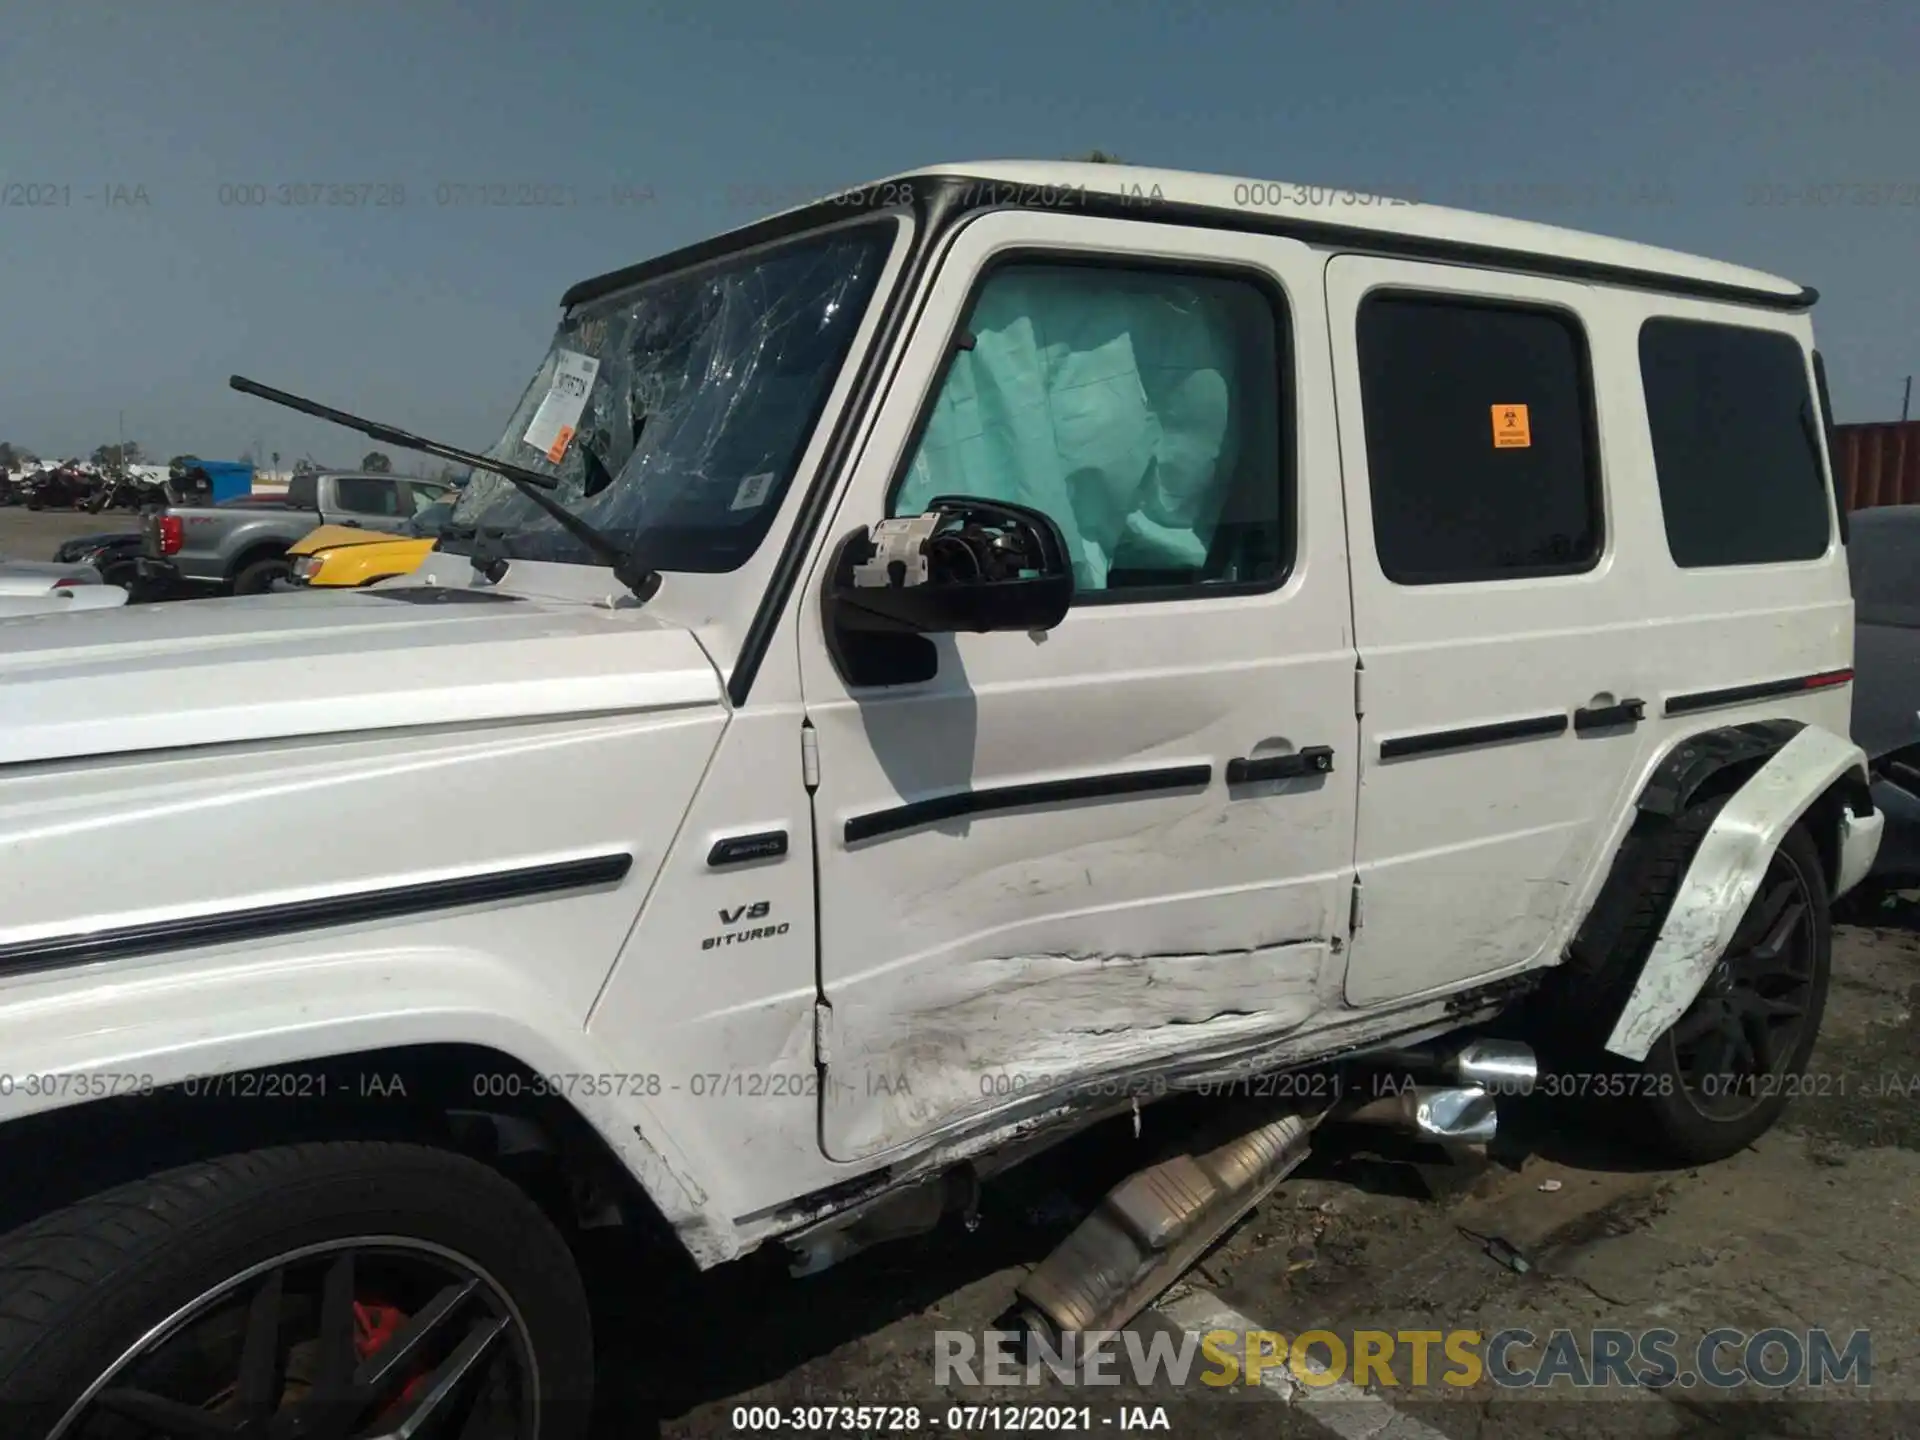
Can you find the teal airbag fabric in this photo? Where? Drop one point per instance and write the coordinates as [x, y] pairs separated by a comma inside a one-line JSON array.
[[1100, 398]]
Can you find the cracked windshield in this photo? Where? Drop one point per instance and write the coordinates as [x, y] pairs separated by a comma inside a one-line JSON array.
[[672, 414]]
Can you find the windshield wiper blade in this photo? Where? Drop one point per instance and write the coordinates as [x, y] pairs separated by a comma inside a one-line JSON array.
[[641, 580]]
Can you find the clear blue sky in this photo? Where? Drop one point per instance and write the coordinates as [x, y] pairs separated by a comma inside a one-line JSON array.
[[1655, 119]]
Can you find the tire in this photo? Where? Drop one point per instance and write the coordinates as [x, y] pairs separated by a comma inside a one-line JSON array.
[[258, 578], [1665, 1110], [80, 1287], [1696, 1127]]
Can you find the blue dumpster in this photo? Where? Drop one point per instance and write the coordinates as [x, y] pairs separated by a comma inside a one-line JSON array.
[[231, 478]]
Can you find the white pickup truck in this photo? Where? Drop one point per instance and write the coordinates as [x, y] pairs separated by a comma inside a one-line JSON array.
[[1016, 641]]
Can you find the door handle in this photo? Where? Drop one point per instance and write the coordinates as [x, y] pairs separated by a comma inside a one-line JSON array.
[[1313, 760], [1627, 712]]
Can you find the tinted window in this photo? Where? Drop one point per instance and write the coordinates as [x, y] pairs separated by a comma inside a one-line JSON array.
[[420, 495], [1734, 443], [1141, 409], [1480, 449], [367, 497], [303, 492]]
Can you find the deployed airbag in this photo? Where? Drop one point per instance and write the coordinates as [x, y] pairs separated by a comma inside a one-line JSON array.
[[1101, 398]]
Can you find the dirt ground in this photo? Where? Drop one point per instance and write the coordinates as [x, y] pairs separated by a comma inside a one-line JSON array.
[[1812, 1227], [35, 534]]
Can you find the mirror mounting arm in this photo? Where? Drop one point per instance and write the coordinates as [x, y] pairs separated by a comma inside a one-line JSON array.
[[965, 565]]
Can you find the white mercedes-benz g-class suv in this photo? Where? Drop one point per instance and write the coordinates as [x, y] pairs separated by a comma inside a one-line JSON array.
[[918, 675]]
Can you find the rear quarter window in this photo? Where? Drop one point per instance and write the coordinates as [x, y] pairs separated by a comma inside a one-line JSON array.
[[1735, 444]]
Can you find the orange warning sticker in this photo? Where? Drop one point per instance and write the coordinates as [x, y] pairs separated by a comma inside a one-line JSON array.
[[557, 451], [1510, 430]]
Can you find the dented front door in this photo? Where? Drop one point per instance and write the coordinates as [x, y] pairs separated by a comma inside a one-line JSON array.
[[1052, 945]]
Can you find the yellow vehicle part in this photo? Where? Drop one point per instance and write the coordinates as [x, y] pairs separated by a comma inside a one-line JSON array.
[[336, 555]]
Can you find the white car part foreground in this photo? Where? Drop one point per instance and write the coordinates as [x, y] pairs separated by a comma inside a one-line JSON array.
[[1726, 873], [41, 598]]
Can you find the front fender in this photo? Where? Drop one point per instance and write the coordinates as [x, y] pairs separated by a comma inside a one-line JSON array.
[[65, 1046], [1726, 872]]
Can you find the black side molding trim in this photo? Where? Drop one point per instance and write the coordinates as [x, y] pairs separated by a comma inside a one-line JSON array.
[[1014, 797], [264, 922], [738, 849], [1534, 727], [1763, 690]]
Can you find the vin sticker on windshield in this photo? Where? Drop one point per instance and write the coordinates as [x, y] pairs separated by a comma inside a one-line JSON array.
[[553, 423], [753, 491]]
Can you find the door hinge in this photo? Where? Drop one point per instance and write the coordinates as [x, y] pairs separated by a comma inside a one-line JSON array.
[[822, 1033], [1359, 687], [809, 756], [1353, 909]]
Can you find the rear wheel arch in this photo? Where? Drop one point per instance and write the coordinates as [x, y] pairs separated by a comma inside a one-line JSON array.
[[1677, 804]]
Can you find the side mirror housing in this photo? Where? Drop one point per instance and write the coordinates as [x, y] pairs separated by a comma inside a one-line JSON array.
[[965, 565]]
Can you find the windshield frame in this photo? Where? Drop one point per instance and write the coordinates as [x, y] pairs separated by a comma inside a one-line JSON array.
[[724, 549]]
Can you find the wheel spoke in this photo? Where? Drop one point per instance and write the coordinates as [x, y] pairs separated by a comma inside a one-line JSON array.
[[1760, 1042], [300, 1375], [1776, 1007], [258, 1390], [338, 1357], [167, 1417], [448, 1379], [1771, 948], [379, 1374], [1720, 1048], [1761, 917], [1703, 1018], [1743, 1059]]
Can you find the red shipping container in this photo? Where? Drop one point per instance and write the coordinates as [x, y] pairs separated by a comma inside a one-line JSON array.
[[1878, 464]]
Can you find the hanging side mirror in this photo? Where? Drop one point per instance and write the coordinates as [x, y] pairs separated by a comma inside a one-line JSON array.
[[965, 565]]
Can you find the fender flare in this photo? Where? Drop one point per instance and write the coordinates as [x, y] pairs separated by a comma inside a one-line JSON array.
[[166, 1029], [1732, 857]]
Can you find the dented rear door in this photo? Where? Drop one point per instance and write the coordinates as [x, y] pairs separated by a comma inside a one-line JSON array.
[[1165, 394]]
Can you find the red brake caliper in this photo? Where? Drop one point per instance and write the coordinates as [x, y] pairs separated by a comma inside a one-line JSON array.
[[374, 1327]]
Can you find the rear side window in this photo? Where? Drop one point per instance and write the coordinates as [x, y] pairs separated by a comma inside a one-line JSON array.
[[367, 497], [1735, 444], [1480, 449]]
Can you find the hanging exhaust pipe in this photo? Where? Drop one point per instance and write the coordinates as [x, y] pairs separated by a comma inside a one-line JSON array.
[[1153, 1225], [1501, 1067], [1445, 1114]]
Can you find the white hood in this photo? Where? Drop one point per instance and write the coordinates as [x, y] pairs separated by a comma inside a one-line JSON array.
[[209, 672]]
